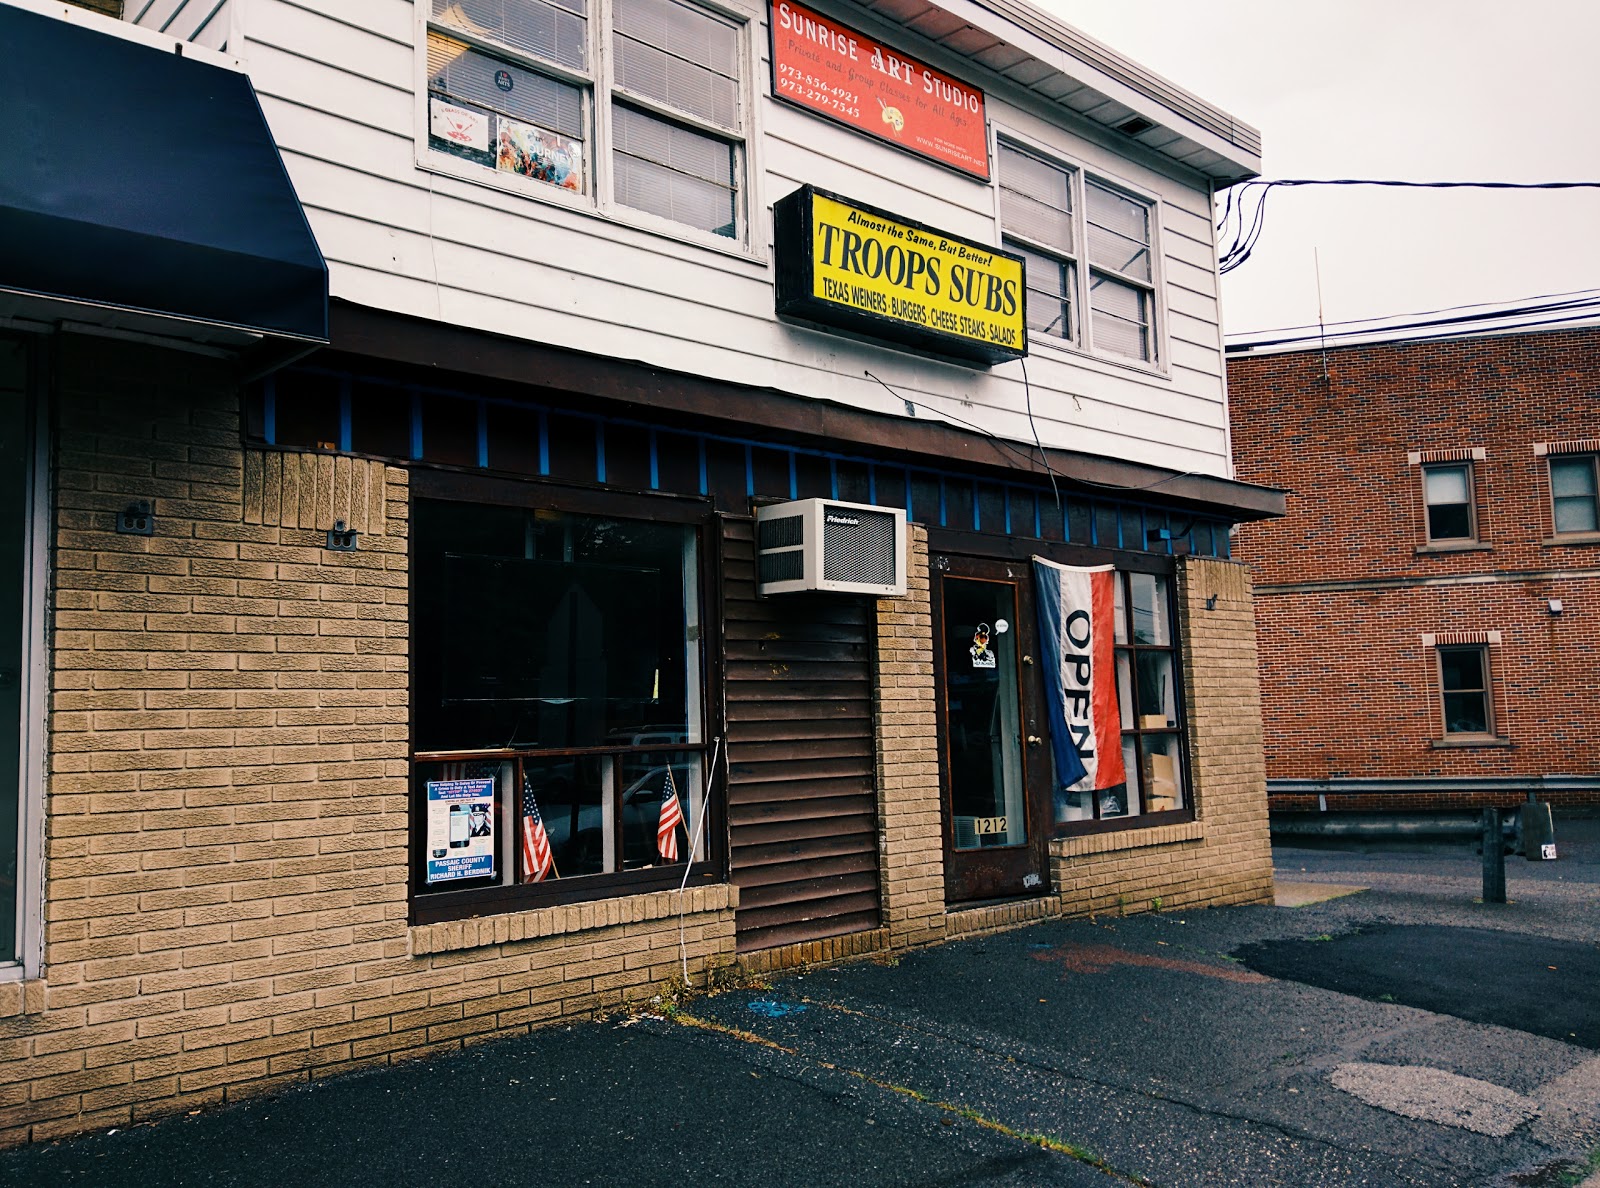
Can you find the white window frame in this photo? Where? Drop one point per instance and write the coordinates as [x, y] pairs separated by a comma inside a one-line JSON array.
[[35, 680], [1079, 175], [600, 87]]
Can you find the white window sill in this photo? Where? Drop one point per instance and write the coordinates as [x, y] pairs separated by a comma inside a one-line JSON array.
[[1067, 352], [586, 206], [1571, 538]]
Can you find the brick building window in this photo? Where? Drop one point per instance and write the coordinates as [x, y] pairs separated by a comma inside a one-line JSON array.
[[1575, 494], [1447, 495], [1464, 684]]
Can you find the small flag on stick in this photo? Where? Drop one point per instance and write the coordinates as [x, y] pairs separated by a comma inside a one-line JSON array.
[[536, 857], [671, 818]]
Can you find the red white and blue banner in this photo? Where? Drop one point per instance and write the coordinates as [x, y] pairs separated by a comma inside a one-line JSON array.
[[1077, 640]]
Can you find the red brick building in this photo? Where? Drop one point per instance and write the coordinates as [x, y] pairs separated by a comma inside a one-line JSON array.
[[1428, 609]]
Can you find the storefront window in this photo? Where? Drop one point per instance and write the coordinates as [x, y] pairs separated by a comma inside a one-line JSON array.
[[1149, 704], [558, 716]]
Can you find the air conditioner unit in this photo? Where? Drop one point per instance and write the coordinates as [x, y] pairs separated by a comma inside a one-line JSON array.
[[823, 544]]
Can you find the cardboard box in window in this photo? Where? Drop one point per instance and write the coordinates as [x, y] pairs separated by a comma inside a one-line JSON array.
[[1161, 784], [1155, 722]]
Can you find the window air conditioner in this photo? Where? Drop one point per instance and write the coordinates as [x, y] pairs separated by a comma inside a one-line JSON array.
[[822, 544]]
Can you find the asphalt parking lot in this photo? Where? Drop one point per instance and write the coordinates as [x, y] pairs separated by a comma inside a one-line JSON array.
[[1403, 1034]]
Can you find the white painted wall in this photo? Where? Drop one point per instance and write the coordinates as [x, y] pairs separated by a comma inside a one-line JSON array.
[[339, 81]]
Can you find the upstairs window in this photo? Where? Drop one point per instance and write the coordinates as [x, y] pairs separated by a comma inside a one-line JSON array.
[[1036, 211], [1575, 494], [1066, 226], [1121, 291], [647, 115], [1447, 495]]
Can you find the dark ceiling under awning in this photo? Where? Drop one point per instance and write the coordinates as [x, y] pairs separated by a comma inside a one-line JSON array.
[[140, 180]]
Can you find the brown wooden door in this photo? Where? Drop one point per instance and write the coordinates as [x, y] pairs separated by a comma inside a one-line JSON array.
[[995, 766]]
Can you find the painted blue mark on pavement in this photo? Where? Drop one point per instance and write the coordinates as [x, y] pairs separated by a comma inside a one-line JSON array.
[[773, 1009]]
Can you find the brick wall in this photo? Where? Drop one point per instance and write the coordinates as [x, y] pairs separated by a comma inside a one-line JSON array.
[[226, 818], [1224, 855], [1347, 585], [227, 841], [910, 812]]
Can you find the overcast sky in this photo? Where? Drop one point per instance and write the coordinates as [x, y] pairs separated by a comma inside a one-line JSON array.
[[1434, 90]]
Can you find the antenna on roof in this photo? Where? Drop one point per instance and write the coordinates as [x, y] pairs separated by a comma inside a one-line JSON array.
[[1322, 329]]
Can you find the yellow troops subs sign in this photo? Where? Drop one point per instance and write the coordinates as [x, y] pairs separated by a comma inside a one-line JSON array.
[[856, 268]]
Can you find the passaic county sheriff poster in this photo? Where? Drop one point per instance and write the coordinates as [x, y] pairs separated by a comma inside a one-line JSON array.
[[460, 830]]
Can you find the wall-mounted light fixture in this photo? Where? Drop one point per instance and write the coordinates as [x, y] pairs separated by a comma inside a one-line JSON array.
[[1555, 606], [1211, 602]]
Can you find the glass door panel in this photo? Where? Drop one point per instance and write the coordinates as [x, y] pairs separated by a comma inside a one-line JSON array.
[[982, 715]]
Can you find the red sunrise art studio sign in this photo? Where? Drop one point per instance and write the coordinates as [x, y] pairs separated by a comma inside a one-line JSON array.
[[824, 67]]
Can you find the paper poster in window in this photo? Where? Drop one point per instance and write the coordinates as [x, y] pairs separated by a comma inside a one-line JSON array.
[[460, 830], [543, 156], [460, 127]]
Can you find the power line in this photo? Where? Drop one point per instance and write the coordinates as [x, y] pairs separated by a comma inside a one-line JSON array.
[[1441, 328], [1245, 207], [1490, 308]]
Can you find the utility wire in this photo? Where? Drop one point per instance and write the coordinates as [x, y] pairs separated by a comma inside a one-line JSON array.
[[1491, 309], [1244, 210]]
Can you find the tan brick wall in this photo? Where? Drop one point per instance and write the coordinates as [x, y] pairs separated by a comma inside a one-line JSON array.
[[910, 820], [226, 824], [1224, 856]]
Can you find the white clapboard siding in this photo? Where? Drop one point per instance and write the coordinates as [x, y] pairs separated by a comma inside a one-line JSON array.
[[338, 83]]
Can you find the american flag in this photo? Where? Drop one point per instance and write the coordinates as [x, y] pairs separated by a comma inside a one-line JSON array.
[[671, 818], [536, 857]]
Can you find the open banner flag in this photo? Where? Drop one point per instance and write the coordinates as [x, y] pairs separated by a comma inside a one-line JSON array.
[[1077, 637]]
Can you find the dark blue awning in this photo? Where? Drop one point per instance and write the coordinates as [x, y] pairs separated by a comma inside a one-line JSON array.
[[135, 179]]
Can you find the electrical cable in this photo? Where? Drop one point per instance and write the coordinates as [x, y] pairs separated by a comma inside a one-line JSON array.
[[1027, 391], [1250, 226], [1443, 327], [1028, 458], [1491, 307]]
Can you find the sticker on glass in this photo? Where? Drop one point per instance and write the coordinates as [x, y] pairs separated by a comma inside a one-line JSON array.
[[982, 655], [460, 126], [543, 156]]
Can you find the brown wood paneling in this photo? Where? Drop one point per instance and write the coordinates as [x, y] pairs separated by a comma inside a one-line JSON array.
[[802, 812]]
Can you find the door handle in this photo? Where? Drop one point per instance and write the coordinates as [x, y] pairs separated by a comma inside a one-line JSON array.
[[1034, 740]]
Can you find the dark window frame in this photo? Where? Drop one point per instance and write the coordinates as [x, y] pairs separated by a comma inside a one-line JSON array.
[[434, 906], [1486, 692]]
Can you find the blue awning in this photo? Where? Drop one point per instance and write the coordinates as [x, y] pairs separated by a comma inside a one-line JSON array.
[[133, 179]]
